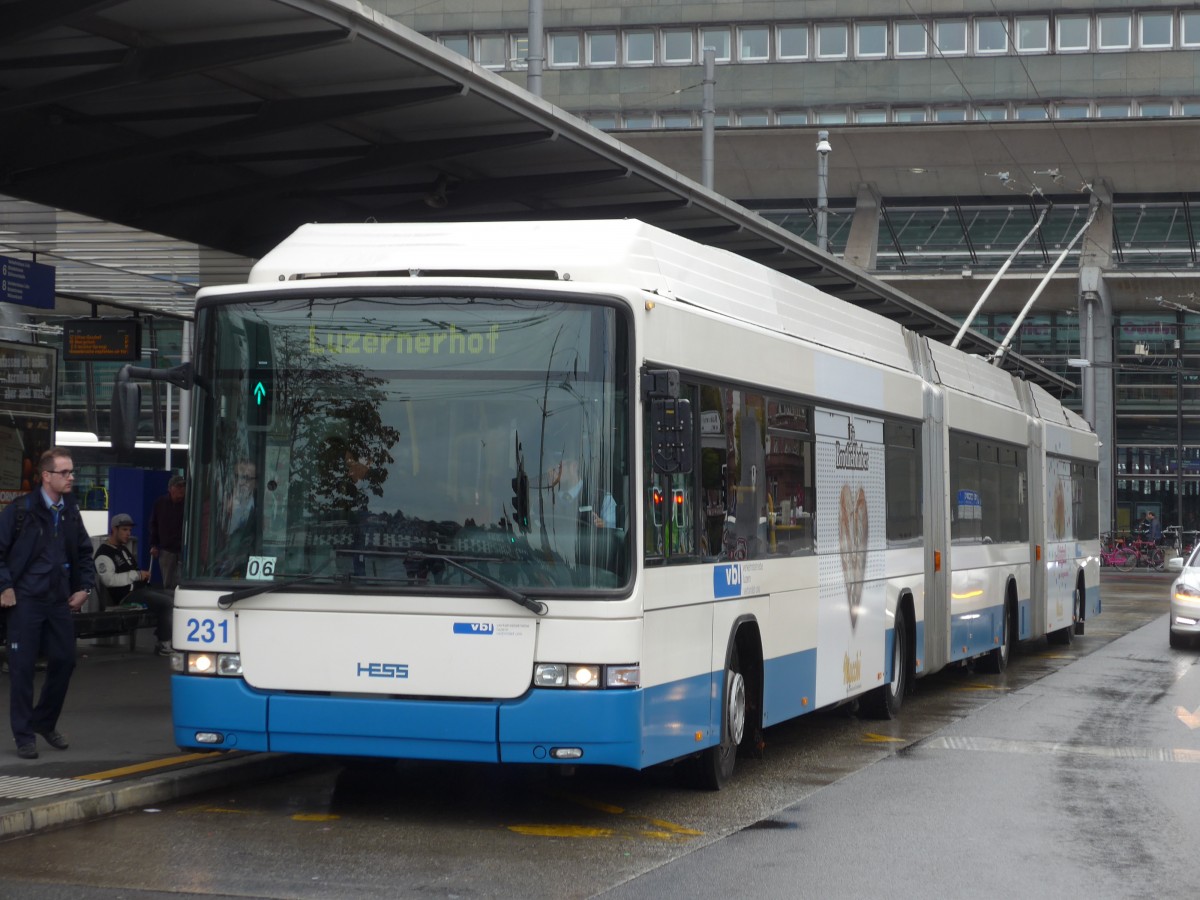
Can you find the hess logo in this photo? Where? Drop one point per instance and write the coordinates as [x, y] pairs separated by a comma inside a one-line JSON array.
[[383, 670]]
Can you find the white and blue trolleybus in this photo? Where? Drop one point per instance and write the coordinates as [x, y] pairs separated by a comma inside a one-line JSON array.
[[590, 493]]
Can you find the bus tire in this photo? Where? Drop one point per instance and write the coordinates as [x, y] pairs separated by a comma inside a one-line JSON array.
[[996, 661], [884, 702], [1064, 636], [713, 768]]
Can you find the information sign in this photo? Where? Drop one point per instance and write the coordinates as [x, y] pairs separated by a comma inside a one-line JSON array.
[[102, 340], [26, 283]]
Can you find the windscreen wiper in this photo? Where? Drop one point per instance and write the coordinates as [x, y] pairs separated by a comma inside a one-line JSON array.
[[535, 606], [227, 600]]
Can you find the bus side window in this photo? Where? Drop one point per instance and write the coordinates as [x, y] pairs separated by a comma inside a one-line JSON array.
[[669, 534]]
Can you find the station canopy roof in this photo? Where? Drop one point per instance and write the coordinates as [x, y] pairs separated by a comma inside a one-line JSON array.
[[228, 123]]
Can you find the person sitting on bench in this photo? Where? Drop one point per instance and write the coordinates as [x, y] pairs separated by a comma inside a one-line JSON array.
[[119, 580]]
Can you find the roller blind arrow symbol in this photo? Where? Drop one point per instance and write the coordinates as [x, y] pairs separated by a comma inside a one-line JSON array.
[[1190, 719], [259, 393]]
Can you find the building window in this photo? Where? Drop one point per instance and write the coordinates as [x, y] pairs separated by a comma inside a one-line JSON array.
[[639, 47], [604, 123], [564, 49], [638, 121], [753, 119], [991, 36], [676, 120], [1113, 32], [1189, 29], [677, 46], [1189, 109], [831, 117], [831, 42], [792, 118], [1031, 113], [991, 113], [492, 50], [1072, 111], [791, 41], [720, 120], [870, 116], [910, 39], [950, 37], [718, 39], [1155, 109], [870, 40], [459, 43], [602, 48], [950, 114], [1112, 110], [1033, 34], [1154, 31], [518, 53], [908, 115], [753, 44], [1074, 33]]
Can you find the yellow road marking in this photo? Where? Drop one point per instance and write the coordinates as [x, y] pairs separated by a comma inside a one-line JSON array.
[[673, 828], [871, 738], [315, 817], [146, 766], [563, 831], [980, 687]]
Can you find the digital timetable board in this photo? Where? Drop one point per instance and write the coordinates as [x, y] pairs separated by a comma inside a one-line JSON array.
[[102, 340]]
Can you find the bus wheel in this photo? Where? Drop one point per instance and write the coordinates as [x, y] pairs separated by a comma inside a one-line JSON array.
[[714, 766], [1064, 636], [884, 702], [996, 661]]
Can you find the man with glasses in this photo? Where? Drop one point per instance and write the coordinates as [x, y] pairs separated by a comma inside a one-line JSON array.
[[46, 572]]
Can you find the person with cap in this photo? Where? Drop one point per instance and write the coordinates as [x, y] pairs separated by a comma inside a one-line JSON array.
[[46, 572], [119, 577], [166, 531]]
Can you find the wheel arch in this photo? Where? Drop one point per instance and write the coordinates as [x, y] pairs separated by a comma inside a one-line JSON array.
[[746, 636]]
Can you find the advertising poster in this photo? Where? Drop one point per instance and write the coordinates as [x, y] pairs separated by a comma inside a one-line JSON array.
[[28, 383]]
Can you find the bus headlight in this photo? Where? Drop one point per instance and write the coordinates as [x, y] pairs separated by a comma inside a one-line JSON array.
[[212, 664], [584, 676]]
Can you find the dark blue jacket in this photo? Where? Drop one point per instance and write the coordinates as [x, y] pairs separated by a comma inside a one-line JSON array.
[[17, 551]]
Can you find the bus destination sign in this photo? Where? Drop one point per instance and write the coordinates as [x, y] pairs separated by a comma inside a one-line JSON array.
[[102, 340]]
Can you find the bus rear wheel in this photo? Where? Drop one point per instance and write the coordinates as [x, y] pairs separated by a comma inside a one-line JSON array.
[[884, 702], [714, 766], [996, 661], [1064, 636]]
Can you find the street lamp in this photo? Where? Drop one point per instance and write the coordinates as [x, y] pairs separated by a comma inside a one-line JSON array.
[[823, 151]]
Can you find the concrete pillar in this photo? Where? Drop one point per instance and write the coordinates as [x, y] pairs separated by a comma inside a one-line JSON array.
[[863, 243], [1096, 345]]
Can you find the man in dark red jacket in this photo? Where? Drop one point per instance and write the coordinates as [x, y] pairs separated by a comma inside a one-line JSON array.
[[46, 572], [166, 531]]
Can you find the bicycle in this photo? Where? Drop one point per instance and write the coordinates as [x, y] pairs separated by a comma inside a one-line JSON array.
[[1116, 552]]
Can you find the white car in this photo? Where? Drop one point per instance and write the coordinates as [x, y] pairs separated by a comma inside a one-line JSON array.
[[1185, 599]]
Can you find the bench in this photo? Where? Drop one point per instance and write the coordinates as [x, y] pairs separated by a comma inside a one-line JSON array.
[[113, 622]]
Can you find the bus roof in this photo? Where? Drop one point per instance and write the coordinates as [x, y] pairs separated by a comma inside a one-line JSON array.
[[613, 251]]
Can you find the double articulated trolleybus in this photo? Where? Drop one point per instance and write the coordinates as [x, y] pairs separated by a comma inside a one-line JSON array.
[[590, 493]]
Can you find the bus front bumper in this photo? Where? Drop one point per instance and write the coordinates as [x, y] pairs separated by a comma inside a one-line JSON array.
[[602, 727]]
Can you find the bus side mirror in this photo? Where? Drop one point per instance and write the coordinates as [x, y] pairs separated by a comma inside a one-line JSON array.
[[125, 411]]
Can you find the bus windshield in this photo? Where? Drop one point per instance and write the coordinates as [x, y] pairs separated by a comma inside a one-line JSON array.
[[371, 440]]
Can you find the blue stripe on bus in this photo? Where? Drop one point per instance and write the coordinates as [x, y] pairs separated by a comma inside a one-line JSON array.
[[790, 680], [606, 725], [971, 637], [227, 706]]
